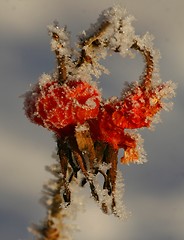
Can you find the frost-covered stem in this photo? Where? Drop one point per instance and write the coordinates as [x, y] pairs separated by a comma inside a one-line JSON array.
[[149, 63], [62, 72], [99, 40], [52, 228], [61, 65], [90, 43]]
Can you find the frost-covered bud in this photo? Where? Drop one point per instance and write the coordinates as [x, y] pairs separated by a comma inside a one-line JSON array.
[[56, 106]]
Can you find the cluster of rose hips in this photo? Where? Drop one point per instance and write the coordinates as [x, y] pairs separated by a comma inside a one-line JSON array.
[[89, 129], [61, 107]]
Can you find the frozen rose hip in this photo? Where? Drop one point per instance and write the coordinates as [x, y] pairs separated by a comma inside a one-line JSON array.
[[56, 106]]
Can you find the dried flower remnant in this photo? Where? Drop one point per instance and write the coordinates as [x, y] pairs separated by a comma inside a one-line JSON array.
[[90, 130]]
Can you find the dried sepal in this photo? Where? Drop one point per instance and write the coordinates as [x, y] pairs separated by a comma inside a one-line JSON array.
[[86, 145]]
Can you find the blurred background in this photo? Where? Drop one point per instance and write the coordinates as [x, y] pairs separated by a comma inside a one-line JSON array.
[[154, 192]]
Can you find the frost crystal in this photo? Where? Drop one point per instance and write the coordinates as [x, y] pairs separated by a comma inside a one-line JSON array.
[[60, 41]]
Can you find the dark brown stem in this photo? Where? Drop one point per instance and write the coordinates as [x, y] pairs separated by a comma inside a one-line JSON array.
[[91, 42], [94, 39], [61, 61], [62, 72]]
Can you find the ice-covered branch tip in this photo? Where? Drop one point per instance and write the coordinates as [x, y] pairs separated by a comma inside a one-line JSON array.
[[53, 225], [89, 129], [60, 44]]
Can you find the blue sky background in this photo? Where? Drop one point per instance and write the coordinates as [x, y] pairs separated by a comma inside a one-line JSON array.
[[154, 192]]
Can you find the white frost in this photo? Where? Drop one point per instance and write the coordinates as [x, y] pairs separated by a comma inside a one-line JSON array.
[[44, 79]]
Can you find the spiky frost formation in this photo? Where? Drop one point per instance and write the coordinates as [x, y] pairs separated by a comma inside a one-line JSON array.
[[53, 226]]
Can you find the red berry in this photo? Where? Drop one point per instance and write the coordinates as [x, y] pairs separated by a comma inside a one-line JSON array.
[[103, 128], [137, 109], [56, 106]]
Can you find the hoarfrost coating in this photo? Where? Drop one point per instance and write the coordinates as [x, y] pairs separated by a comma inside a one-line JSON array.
[[89, 130]]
